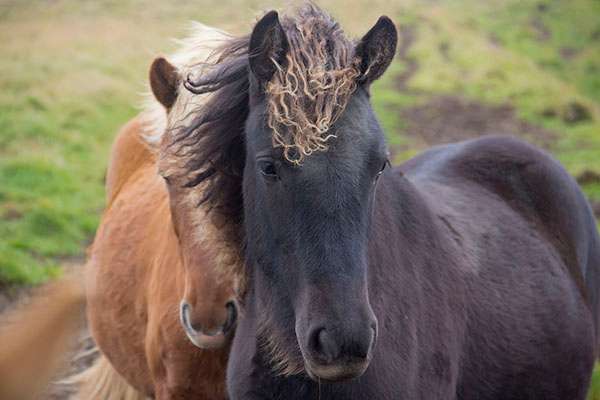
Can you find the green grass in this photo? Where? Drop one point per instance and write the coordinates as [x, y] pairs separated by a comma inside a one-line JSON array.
[[71, 73], [515, 67]]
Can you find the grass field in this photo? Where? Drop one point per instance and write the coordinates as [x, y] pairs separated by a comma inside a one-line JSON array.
[[71, 73]]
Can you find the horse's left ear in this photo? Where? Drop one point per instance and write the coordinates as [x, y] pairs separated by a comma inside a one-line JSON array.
[[164, 80], [268, 45], [376, 50]]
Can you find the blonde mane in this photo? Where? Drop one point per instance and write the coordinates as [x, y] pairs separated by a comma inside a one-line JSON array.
[[200, 45]]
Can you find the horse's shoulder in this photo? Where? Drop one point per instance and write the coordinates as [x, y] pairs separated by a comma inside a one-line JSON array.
[[128, 153]]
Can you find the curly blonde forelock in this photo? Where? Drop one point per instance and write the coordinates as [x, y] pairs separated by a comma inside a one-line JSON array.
[[309, 93]]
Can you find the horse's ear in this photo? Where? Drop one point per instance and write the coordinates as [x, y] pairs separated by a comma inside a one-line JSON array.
[[164, 80], [268, 44], [376, 50]]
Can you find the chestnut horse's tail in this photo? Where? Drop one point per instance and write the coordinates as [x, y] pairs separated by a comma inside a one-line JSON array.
[[36, 337], [102, 381]]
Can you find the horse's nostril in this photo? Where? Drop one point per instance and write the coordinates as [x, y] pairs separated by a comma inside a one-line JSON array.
[[184, 316], [231, 316], [327, 347], [202, 337], [323, 345], [195, 329]]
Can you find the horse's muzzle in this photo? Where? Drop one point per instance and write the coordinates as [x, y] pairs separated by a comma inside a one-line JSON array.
[[336, 372], [205, 338], [339, 352]]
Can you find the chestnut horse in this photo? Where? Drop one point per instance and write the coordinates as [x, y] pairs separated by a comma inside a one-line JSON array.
[[160, 275], [472, 272]]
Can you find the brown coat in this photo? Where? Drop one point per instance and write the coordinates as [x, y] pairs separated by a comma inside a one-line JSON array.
[[137, 277]]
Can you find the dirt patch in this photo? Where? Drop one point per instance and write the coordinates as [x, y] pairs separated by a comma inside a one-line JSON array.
[[588, 177], [541, 32], [11, 213], [595, 208], [542, 7], [495, 40], [444, 48], [447, 119], [575, 112], [568, 53]]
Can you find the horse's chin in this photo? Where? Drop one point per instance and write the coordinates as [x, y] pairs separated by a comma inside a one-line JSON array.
[[208, 342], [338, 372]]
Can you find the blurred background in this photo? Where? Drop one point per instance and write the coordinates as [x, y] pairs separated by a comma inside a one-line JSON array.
[[72, 72]]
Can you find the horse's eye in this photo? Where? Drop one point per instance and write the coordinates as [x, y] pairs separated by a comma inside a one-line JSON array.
[[268, 169], [385, 164]]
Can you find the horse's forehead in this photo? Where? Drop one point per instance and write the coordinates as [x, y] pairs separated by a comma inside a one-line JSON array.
[[309, 93], [351, 137]]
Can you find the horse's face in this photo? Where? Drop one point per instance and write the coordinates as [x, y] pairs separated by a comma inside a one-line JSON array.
[[307, 224], [207, 308]]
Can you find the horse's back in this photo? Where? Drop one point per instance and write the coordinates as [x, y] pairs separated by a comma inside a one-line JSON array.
[[534, 185], [529, 237], [129, 152]]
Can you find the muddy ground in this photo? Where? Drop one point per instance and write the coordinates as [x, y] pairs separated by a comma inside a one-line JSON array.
[[447, 119], [450, 118]]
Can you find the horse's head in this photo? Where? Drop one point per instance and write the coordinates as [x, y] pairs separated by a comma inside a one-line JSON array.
[[314, 153], [208, 308]]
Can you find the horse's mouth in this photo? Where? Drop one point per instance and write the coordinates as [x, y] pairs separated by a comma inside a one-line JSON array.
[[206, 342], [336, 372]]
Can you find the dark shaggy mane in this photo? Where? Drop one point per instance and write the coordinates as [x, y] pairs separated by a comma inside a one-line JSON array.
[[212, 144], [305, 98]]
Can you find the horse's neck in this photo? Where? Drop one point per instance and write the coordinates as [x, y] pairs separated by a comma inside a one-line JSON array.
[[405, 232], [401, 206]]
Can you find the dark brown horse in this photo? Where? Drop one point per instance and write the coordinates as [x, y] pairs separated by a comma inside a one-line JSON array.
[[470, 272]]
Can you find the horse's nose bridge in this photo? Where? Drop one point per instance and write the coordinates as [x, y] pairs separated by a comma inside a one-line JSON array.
[[207, 302]]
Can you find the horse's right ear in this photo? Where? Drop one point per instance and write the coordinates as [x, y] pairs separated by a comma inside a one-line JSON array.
[[164, 80], [268, 44], [376, 50]]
